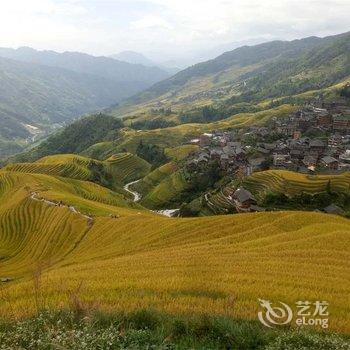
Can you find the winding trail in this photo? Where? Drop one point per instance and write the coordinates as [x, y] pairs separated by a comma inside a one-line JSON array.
[[35, 196], [137, 196]]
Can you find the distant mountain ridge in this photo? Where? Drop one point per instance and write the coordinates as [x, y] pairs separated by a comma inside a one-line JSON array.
[[42, 88], [138, 58], [258, 70], [134, 58], [42, 95], [104, 67]]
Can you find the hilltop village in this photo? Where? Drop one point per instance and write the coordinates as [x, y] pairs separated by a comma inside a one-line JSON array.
[[314, 140]]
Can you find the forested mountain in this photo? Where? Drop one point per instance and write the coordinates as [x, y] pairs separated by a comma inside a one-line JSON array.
[[40, 89], [253, 73], [76, 137], [33, 97]]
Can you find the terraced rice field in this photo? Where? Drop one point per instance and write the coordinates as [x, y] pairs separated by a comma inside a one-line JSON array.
[[155, 177], [127, 167], [67, 165], [167, 191], [178, 135], [121, 168], [219, 265], [218, 203], [180, 152], [291, 183]]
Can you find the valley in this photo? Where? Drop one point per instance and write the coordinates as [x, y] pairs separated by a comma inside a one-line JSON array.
[[121, 244], [169, 216], [44, 90]]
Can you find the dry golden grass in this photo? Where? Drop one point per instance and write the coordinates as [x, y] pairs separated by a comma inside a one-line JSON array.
[[219, 265]]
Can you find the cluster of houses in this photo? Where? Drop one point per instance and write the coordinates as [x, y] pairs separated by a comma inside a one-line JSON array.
[[314, 139]]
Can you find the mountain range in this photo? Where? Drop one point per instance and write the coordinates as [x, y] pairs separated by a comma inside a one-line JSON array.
[[222, 147], [39, 89], [250, 74], [138, 58]]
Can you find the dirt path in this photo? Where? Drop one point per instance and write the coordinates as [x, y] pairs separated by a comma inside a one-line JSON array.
[[35, 196]]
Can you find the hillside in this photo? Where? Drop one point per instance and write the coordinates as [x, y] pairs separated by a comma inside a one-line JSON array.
[[36, 98], [289, 190], [100, 136], [40, 90], [140, 260], [280, 190], [291, 183], [138, 58], [134, 58], [249, 74], [114, 172], [75, 137]]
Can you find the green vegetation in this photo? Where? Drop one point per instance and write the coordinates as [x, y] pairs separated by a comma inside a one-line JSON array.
[[291, 183], [126, 167], [247, 79], [151, 330], [76, 137], [169, 192], [154, 178], [105, 136], [42, 88], [171, 185], [152, 124], [180, 152], [41, 96], [151, 153]]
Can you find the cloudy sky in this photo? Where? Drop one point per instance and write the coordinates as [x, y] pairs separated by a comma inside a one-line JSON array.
[[168, 28]]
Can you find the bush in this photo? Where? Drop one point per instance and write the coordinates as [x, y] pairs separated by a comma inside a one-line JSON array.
[[308, 341], [146, 329]]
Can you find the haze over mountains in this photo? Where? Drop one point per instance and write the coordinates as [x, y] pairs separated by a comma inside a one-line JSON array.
[[42, 88], [138, 58]]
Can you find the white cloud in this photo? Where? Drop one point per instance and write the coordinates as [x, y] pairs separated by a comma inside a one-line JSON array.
[[163, 25], [151, 22]]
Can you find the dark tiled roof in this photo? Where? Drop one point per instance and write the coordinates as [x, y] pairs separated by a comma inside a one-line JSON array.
[[243, 195]]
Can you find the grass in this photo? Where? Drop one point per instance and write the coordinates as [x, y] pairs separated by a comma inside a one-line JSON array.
[[147, 329], [216, 265], [33, 232], [127, 167]]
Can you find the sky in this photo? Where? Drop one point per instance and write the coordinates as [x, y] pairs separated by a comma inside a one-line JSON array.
[[165, 30]]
